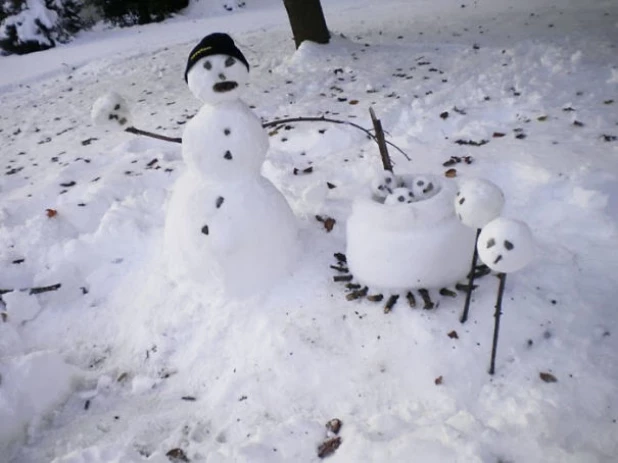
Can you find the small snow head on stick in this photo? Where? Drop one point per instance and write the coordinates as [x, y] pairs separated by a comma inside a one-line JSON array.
[[216, 69], [506, 245], [478, 202], [111, 110]]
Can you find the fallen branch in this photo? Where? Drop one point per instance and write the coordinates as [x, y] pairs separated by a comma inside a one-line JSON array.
[[34, 290]]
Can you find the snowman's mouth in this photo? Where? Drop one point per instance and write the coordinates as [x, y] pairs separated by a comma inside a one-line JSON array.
[[222, 87]]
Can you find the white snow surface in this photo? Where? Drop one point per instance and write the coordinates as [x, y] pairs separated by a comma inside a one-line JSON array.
[[160, 364]]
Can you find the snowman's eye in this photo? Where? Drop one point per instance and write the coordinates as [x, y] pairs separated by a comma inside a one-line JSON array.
[[491, 243], [420, 183], [462, 200], [229, 61], [207, 65], [508, 245]]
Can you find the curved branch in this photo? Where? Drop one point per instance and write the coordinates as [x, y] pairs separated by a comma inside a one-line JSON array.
[[334, 121]]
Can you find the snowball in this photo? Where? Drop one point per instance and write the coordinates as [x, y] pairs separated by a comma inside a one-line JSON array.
[[217, 78], [111, 109], [478, 202], [422, 186], [399, 195], [506, 245], [383, 184], [422, 245], [32, 385]]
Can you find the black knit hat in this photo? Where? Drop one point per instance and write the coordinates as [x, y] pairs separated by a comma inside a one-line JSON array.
[[214, 44]]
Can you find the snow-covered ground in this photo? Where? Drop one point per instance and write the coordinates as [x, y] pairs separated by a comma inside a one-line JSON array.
[[123, 364]]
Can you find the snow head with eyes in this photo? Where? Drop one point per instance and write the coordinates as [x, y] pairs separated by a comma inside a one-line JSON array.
[[506, 245], [383, 184], [422, 187], [478, 202], [216, 69], [399, 195]]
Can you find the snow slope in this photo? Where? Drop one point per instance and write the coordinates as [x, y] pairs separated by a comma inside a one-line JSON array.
[[141, 365]]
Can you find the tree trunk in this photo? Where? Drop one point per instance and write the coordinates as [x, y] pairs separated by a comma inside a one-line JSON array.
[[307, 21]]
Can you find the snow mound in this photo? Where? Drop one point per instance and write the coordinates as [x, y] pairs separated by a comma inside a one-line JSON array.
[[31, 386]]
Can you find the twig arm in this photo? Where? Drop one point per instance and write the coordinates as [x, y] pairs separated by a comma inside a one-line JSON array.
[[136, 131]]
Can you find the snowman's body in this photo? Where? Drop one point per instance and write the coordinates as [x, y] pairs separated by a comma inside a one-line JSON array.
[[226, 224]]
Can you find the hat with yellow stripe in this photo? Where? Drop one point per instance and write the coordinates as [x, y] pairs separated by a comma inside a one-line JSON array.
[[214, 44]]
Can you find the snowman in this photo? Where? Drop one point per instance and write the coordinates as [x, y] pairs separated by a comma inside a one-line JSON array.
[[227, 226]]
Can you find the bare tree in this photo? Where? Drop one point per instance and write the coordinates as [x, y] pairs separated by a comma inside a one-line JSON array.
[[307, 21]]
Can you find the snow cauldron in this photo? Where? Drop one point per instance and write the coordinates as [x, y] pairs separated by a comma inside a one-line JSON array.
[[409, 243]]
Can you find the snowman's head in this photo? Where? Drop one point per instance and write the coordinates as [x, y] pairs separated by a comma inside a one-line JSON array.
[[478, 202], [216, 69], [505, 245]]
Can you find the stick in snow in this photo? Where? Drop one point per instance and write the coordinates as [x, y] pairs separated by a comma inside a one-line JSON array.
[[471, 275], [381, 141], [497, 314], [34, 290]]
